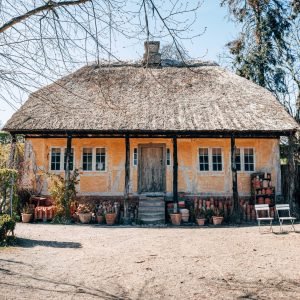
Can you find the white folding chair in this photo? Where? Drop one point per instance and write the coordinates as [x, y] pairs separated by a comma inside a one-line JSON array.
[[284, 208], [259, 208]]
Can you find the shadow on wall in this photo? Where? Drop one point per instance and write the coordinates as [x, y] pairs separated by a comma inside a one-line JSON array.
[[28, 243]]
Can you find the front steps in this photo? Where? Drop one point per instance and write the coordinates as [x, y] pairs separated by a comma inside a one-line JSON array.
[[152, 210]]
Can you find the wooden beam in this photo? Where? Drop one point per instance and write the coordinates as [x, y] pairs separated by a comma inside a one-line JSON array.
[[67, 175], [175, 172], [127, 178], [235, 195]]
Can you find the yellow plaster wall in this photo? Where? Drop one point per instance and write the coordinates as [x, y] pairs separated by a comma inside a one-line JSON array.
[[190, 179]]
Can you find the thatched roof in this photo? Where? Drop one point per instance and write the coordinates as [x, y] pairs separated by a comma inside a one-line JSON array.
[[128, 97]]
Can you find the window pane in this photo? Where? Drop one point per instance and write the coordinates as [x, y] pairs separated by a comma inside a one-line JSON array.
[[87, 159], [217, 159], [168, 157], [55, 159], [135, 156], [249, 159], [203, 159], [238, 159], [100, 159], [71, 159]]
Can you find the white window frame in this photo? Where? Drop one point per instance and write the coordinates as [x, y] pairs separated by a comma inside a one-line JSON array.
[[170, 164], [137, 157], [62, 159], [243, 159], [210, 160], [94, 159]]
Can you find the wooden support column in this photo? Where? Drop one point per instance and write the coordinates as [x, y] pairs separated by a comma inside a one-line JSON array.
[[235, 195], [175, 174], [11, 165], [67, 175], [127, 178]]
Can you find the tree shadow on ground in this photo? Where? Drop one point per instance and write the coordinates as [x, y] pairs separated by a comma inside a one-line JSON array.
[[29, 243], [40, 284]]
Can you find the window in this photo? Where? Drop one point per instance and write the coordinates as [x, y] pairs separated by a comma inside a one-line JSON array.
[[71, 166], [203, 159], [168, 157], [87, 159], [217, 159], [238, 159], [55, 159], [100, 159], [248, 159], [135, 156]]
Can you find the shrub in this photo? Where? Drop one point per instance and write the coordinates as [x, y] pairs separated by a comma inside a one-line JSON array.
[[7, 226]]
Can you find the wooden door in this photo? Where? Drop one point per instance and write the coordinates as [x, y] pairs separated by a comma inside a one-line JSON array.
[[152, 168]]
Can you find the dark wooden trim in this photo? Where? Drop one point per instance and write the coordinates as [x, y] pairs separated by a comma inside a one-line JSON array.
[[127, 177], [67, 173], [147, 145], [145, 134], [175, 171], [235, 194]]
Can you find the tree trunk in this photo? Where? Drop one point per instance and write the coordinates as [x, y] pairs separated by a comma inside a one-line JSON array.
[[127, 179], [175, 175], [67, 177]]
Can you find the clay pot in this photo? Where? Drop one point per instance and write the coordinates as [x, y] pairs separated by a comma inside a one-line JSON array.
[[261, 200], [176, 219], [207, 203], [217, 220], [26, 218], [185, 214], [268, 191], [110, 218], [267, 201], [201, 221], [85, 217], [100, 219], [265, 183], [263, 191]]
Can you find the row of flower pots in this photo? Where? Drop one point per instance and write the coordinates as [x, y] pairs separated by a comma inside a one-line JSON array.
[[109, 218]]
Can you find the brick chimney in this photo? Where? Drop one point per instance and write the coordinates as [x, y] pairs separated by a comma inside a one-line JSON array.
[[152, 57]]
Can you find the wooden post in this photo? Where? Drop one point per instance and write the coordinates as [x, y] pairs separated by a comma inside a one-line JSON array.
[[11, 165], [127, 178], [235, 216], [67, 175], [175, 175], [292, 173]]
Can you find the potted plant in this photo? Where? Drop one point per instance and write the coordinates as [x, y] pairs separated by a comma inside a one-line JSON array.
[[100, 214], [175, 216], [201, 216], [84, 213], [110, 214], [26, 213], [218, 216]]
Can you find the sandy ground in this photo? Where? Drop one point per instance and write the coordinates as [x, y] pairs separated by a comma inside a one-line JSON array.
[[93, 262]]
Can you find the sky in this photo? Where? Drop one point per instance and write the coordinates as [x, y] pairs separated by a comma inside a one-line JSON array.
[[212, 20]]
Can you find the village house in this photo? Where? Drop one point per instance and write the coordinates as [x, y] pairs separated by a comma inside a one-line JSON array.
[[155, 127]]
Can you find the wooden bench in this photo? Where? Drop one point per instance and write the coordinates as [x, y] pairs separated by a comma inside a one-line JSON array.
[[260, 208], [284, 208]]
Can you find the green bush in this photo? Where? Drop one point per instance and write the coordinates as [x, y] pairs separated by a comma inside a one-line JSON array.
[[7, 227]]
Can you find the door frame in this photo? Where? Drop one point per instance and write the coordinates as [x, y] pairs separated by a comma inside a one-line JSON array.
[[152, 145]]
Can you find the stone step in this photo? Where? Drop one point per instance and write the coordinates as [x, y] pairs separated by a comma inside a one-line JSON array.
[[154, 216], [151, 209], [151, 203], [153, 222]]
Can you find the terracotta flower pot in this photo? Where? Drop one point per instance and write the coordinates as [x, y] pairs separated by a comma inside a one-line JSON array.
[[176, 218], [201, 221], [110, 218], [207, 203], [26, 218], [261, 200], [217, 220], [85, 217], [100, 219], [267, 201]]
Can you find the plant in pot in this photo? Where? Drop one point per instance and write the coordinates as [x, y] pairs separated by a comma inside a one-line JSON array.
[[218, 216], [84, 213], [201, 216], [110, 214], [26, 213], [175, 216], [100, 214]]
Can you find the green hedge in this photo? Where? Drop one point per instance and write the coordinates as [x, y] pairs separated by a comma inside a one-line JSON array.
[[7, 227]]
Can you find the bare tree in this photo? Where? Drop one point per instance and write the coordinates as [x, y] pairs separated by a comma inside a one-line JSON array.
[[43, 40]]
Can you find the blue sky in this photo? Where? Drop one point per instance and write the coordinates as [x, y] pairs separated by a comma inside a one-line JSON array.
[[210, 46]]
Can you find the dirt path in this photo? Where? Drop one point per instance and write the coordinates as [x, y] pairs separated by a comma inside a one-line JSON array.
[[90, 262]]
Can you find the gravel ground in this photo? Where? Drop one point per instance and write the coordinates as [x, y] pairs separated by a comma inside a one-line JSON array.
[[93, 262]]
